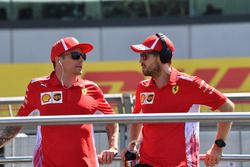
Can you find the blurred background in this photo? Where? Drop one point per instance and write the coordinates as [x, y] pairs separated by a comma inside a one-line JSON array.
[[211, 38], [199, 29]]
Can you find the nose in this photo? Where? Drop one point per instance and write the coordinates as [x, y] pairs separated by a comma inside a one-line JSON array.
[[81, 59], [141, 61]]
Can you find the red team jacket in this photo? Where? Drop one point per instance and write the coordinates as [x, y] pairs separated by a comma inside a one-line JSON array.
[[173, 144], [64, 145]]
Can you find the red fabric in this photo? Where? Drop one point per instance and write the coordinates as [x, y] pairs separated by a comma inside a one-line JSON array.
[[64, 145], [167, 144]]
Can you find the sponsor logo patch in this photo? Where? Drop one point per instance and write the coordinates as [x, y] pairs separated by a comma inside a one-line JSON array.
[[147, 97], [57, 97], [51, 97]]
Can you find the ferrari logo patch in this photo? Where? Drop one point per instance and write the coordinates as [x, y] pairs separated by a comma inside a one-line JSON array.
[[175, 89], [84, 91]]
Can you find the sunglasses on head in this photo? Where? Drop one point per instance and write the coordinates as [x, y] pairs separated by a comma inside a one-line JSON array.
[[77, 55], [144, 55]]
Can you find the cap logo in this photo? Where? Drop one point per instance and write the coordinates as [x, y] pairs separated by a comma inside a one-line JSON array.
[[141, 47]]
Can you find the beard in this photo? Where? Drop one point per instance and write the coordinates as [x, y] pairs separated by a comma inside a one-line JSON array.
[[152, 70]]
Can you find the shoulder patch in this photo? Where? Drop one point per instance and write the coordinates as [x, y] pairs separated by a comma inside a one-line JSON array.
[[88, 82], [40, 79], [187, 78], [145, 82]]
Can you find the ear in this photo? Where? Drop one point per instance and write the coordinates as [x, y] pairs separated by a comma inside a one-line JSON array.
[[57, 59], [158, 59]]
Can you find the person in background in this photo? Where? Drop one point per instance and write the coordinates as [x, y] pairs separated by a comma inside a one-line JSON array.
[[64, 92], [171, 91]]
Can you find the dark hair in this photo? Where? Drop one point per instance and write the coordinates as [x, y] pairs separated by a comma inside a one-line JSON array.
[[54, 64]]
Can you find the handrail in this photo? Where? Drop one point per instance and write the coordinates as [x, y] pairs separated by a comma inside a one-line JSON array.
[[125, 118], [19, 159], [232, 96], [9, 100], [224, 157], [231, 157], [238, 96]]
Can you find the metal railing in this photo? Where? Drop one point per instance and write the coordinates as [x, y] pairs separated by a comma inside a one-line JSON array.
[[125, 118], [124, 104], [238, 96], [19, 159]]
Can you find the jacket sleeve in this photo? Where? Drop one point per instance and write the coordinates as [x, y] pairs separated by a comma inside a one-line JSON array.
[[29, 103]]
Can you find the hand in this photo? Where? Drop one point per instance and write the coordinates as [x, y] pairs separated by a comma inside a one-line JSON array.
[[123, 152], [107, 156], [132, 146], [213, 156]]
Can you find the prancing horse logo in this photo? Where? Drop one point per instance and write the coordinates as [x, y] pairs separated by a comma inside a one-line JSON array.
[[175, 89]]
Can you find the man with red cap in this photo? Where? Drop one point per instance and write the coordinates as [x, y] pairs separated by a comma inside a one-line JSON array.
[[171, 91], [65, 93]]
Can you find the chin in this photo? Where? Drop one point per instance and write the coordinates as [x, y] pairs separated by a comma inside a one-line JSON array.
[[146, 73], [78, 73]]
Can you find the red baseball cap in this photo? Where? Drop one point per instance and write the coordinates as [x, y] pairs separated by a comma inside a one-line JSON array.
[[66, 44], [152, 43]]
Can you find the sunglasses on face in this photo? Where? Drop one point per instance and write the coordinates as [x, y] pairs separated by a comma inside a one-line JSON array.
[[77, 55], [145, 55]]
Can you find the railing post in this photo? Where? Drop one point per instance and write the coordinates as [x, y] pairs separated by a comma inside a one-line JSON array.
[[128, 105], [2, 154]]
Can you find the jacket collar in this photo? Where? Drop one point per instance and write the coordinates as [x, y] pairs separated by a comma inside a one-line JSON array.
[[56, 82]]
